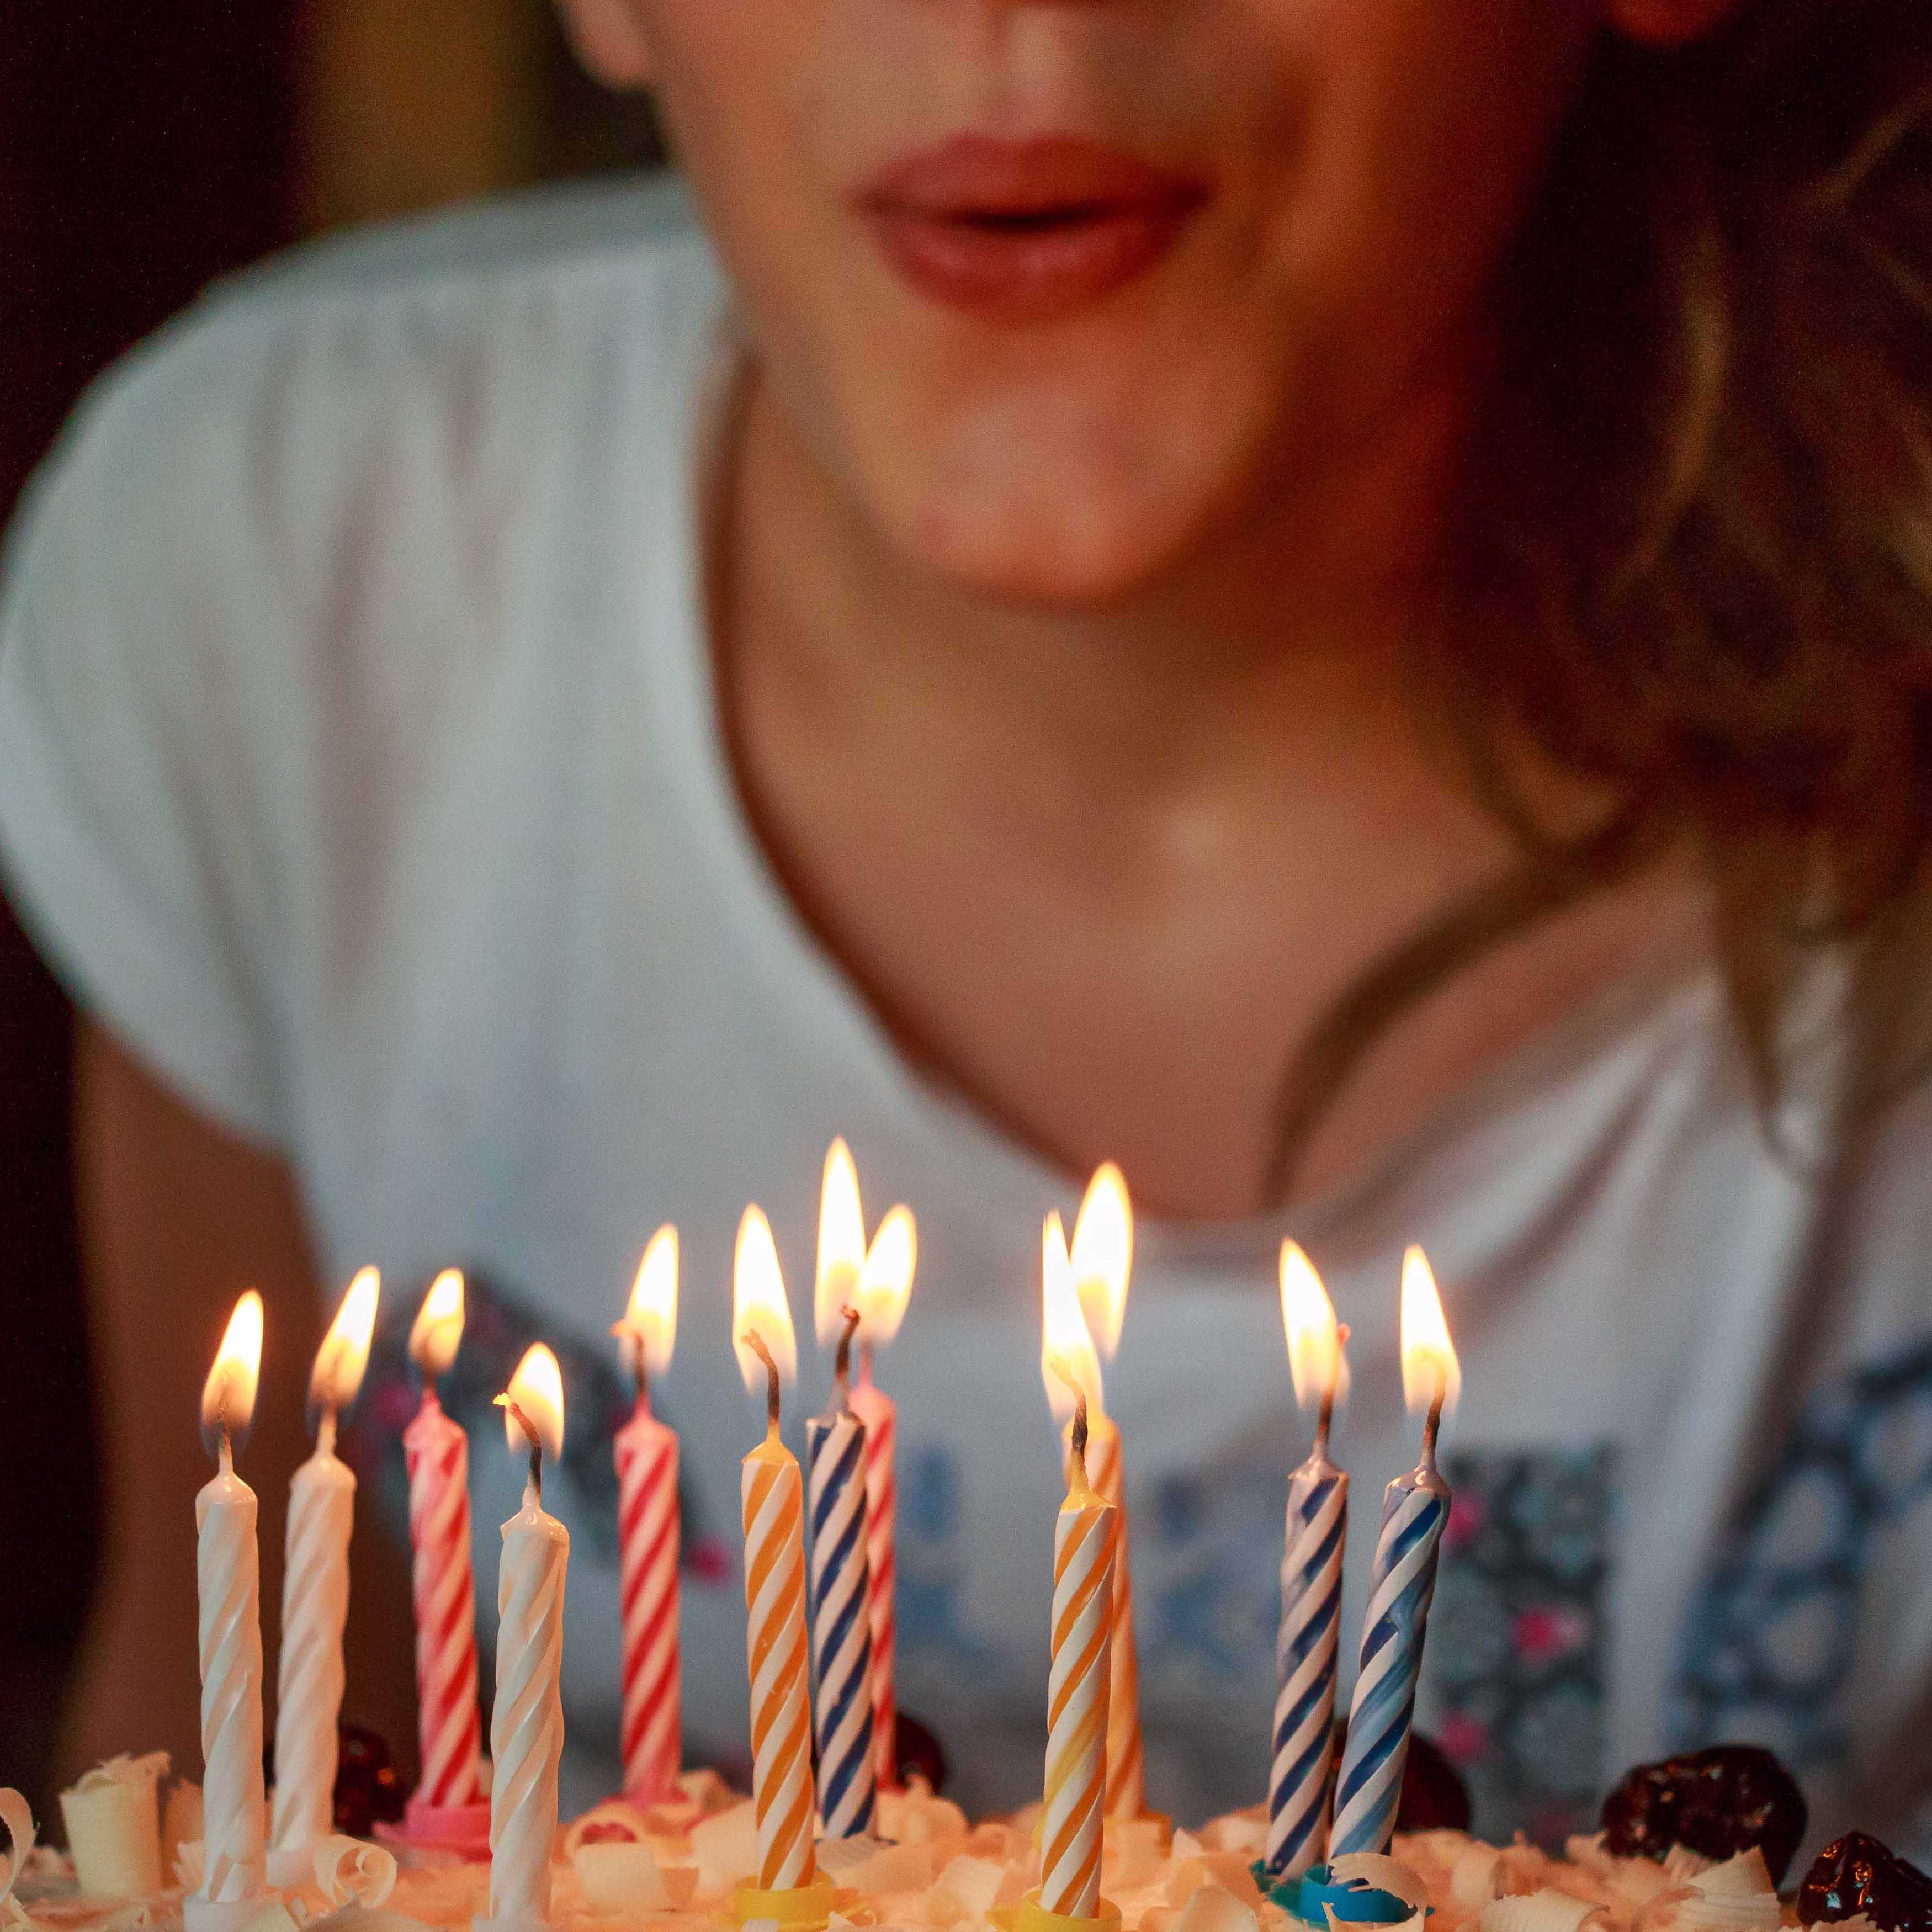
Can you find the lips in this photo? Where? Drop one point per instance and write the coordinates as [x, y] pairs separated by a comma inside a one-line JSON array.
[[1026, 231]]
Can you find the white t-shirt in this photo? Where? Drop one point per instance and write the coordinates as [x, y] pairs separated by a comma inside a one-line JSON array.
[[359, 768]]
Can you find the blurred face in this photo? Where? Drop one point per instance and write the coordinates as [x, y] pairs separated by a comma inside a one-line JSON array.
[[1061, 294]]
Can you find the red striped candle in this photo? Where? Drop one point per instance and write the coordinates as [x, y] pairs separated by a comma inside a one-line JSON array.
[[437, 1452], [647, 1452]]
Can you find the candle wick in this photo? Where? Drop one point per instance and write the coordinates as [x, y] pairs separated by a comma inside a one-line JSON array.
[[841, 1364], [1432, 1428], [640, 1373], [535, 1441], [1325, 1423], [324, 1431], [227, 1455], [755, 1343]]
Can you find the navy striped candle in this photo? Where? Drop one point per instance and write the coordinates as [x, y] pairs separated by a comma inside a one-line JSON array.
[[1368, 1789], [841, 1650], [1305, 1654]]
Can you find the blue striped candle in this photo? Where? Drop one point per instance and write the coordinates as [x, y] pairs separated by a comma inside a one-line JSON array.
[[841, 1645], [1305, 1653], [1368, 1789]]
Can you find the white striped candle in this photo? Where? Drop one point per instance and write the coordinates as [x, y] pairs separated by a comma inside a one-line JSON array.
[[228, 1583], [526, 1725]]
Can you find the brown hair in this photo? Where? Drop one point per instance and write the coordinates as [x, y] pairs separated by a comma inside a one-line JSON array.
[[1696, 561]]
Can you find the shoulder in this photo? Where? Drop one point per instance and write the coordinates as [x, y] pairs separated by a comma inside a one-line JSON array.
[[428, 351]]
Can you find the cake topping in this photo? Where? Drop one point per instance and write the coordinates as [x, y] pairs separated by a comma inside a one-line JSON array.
[[1434, 1798], [1716, 1802], [368, 1791], [1856, 1875]]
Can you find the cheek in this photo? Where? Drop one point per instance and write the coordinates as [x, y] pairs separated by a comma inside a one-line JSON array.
[[1428, 130]]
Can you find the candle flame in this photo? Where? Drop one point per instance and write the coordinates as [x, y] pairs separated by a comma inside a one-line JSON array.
[[1314, 1337], [1103, 1256], [537, 1390], [437, 1332], [841, 1243], [651, 1319], [758, 1302], [885, 1283], [1430, 1373], [344, 1354], [1065, 1348], [228, 1396]]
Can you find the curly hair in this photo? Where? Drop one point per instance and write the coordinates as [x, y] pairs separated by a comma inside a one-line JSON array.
[[1694, 563]]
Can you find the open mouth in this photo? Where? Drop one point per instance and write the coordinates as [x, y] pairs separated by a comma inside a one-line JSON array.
[[1024, 231]]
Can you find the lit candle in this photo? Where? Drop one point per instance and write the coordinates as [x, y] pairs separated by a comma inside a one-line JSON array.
[[1085, 1536], [228, 1576], [841, 1648], [449, 1807], [775, 1651], [652, 1736], [877, 1281], [1101, 1262], [1368, 1788], [1311, 1584], [526, 1725], [315, 1598]]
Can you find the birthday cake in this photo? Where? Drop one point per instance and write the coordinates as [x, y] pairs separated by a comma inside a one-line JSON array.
[[1698, 1844], [828, 1839]]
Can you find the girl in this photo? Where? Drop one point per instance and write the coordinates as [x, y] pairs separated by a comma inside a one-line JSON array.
[[1328, 600]]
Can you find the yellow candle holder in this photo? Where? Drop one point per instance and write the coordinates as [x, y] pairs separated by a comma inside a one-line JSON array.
[[800, 1908], [1033, 1917]]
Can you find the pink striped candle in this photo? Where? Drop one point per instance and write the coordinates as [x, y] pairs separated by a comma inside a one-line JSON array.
[[880, 1416], [647, 1451], [448, 1806]]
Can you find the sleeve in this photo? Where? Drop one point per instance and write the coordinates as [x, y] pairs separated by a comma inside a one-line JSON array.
[[132, 832]]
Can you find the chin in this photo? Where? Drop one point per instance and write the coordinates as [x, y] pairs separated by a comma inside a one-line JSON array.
[[1075, 522], [1060, 554]]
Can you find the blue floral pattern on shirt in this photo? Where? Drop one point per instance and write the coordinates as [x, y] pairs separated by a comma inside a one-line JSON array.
[[1768, 1644]]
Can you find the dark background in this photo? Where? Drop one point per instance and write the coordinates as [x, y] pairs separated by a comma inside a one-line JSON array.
[[145, 150]]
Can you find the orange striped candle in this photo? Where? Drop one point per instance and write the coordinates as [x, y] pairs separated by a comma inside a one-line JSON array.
[[774, 1513], [1076, 1718]]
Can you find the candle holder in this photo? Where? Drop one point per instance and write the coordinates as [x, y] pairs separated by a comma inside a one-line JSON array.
[[801, 1908], [464, 1828], [1033, 1916]]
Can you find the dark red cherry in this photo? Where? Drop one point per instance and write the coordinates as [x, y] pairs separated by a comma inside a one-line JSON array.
[[368, 1791], [920, 1753], [1717, 1802], [1856, 1874], [1434, 1797]]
